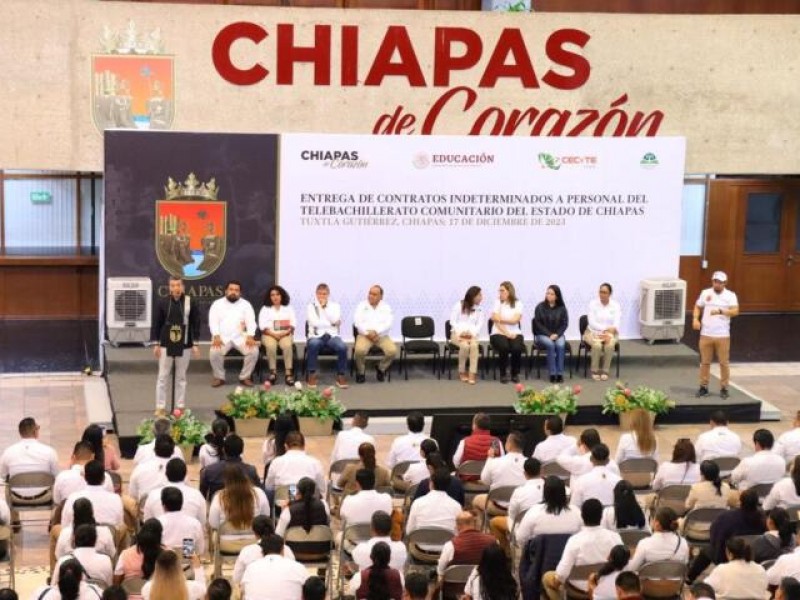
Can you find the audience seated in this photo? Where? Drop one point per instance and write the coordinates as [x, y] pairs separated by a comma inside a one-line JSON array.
[[212, 478], [83, 514], [523, 498], [500, 471], [786, 566], [273, 571], [699, 590], [314, 588], [193, 502], [602, 584], [785, 492], [628, 586], [641, 441], [788, 444], [476, 445], [789, 589], [359, 507], [419, 471], [106, 504], [347, 441], [366, 454], [151, 473], [763, 467], [73, 480], [556, 443], [777, 540], [28, 455], [381, 528], [304, 510], [72, 585], [294, 465], [492, 573], [103, 449], [139, 561], [96, 565], [416, 587], [711, 492], [625, 512], [214, 449], [219, 589], [262, 526], [178, 525], [407, 447], [739, 577], [436, 508], [664, 544], [455, 489], [238, 503], [168, 578], [581, 463], [379, 580], [681, 470], [147, 451], [553, 515], [467, 547], [719, 440], [598, 483]]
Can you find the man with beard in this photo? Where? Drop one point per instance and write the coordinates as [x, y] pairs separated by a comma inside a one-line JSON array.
[[232, 322]]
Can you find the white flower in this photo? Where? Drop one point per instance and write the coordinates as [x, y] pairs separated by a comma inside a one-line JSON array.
[[298, 385], [239, 389]]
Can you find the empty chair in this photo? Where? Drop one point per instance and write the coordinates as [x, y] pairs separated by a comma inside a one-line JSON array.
[[417, 333], [555, 469], [631, 537], [662, 579], [454, 579], [697, 525], [639, 472], [674, 497], [425, 544]]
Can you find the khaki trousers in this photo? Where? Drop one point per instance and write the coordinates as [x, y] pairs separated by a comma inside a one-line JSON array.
[[363, 345], [271, 345], [467, 349], [602, 352], [721, 346], [551, 586], [216, 357], [498, 526]]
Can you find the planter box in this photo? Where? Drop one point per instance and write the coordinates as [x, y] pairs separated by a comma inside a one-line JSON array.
[[188, 452], [313, 427], [626, 417], [251, 428]]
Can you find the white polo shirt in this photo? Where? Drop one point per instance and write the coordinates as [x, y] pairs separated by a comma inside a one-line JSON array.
[[96, 565], [72, 480], [28, 455], [716, 325], [782, 494], [508, 313], [147, 451], [788, 444], [524, 497], [580, 464], [434, 509], [194, 504], [504, 470], [590, 545], [177, 526], [105, 542], [292, 467], [405, 448], [274, 577], [537, 521], [397, 558], [321, 319], [416, 473], [553, 446], [661, 545], [598, 483], [359, 508], [378, 318], [277, 320], [762, 467], [107, 506], [719, 441], [786, 565], [148, 476], [347, 443], [603, 316], [250, 554]]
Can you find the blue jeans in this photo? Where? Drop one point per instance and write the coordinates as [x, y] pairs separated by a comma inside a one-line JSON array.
[[333, 343], [555, 353]]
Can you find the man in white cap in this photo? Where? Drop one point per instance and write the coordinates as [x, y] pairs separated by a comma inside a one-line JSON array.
[[718, 306]]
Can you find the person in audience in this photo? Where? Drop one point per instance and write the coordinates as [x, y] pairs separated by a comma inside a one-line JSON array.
[[366, 453], [107, 505], [194, 504], [719, 441], [275, 442], [219, 589], [523, 498], [324, 330], [602, 331], [466, 322], [467, 547], [580, 463], [406, 448], [628, 586], [373, 322], [788, 444], [701, 589], [492, 578], [506, 338], [746, 520], [145, 452], [762, 467], [455, 489], [416, 587], [379, 580], [28, 455], [314, 588], [238, 503], [789, 589], [550, 322], [72, 585], [169, 583], [150, 474], [273, 572], [214, 449], [625, 513], [73, 480], [602, 584], [785, 492], [665, 543], [139, 561], [718, 306], [277, 322], [262, 527], [294, 465], [212, 477], [777, 540], [500, 471], [598, 483], [591, 544], [96, 565], [556, 443], [641, 441], [348, 441], [232, 322], [113, 592], [304, 510], [83, 514], [436, 508], [178, 525], [681, 470], [476, 445], [419, 470], [8, 594], [359, 507], [739, 577], [381, 529], [711, 492], [553, 515], [785, 566], [104, 450]]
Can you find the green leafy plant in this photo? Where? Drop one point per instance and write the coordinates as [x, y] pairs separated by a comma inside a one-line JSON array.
[[185, 428], [305, 402], [620, 398], [517, 7], [254, 403], [554, 399]]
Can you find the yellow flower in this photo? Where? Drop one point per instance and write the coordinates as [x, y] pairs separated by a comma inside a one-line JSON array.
[[227, 408]]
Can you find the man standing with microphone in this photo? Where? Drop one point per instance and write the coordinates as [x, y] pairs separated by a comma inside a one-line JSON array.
[[176, 326]]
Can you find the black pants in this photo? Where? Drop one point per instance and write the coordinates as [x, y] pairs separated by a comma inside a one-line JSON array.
[[505, 346], [699, 564]]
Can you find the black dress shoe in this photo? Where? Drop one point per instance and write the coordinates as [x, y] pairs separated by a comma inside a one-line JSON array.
[[553, 378], [515, 378], [559, 379], [504, 378], [360, 378], [723, 393], [381, 375], [703, 391]]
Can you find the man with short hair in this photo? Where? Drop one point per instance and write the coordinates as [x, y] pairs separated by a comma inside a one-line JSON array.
[[348, 440], [405, 448], [145, 452], [700, 590], [556, 443], [786, 565], [194, 504], [598, 483], [314, 588], [219, 589], [294, 465], [718, 441], [416, 587], [418, 472], [501, 471], [28, 455], [150, 474], [177, 525], [359, 507], [381, 529], [476, 445], [581, 463], [718, 306], [73, 480], [789, 589], [467, 547], [522, 499], [373, 322], [273, 572], [788, 444], [323, 326], [96, 565], [212, 478], [262, 526], [436, 508], [764, 466], [232, 322], [628, 586], [455, 489], [107, 505]]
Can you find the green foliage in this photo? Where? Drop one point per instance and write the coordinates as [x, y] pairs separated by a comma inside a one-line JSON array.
[[554, 399], [265, 404], [620, 398], [185, 428]]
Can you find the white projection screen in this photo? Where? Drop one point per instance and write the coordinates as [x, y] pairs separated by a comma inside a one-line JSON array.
[[427, 217]]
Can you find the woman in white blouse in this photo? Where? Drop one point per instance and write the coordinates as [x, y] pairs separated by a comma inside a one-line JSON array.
[[681, 470], [603, 331], [740, 577], [641, 441], [466, 321], [602, 585], [277, 323], [507, 335], [211, 452], [665, 543], [786, 492], [553, 515]]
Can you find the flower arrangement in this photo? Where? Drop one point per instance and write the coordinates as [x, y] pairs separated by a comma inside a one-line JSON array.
[[307, 402], [554, 399], [185, 428], [620, 398], [265, 403]]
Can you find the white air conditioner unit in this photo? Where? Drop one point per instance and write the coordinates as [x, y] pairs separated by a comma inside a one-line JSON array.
[[662, 309], [129, 309]]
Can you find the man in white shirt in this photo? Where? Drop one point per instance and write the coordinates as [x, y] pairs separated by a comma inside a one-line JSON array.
[[719, 441], [418, 471], [381, 528], [436, 508], [96, 565], [787, 565], [324, 331], [28, 455], [581, 463], [405, 448], [348, 440], [72, 480], [177, 525], [788, 444], [232, 322], [194, 504], [522, 499], [107, 505], [294, 465], [151, 474], [359, 507], [502, 471], [262, 526], [718, 306], [373, 322], [556, 443], [598, 483], [762, 467], [589, 546], [147, 451], [273, 577]]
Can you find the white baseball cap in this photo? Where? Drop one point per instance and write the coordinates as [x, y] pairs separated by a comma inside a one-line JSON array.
[[719, 276]]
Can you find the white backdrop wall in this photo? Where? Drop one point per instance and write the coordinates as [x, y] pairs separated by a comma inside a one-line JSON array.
[[428, 217]]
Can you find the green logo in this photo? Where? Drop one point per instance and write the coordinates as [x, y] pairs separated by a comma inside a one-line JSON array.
[[548, 161], [649, 160]]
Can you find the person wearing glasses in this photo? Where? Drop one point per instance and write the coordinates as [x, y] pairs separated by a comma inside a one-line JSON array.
[[506, 338]]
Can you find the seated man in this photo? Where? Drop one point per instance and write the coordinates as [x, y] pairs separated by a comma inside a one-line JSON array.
[[107, 505], [598, 483], [348, 440], [147, 451], [232, 322], [455, 489], [522, 499], [418, 472], [273, 572], [96, 565], [373, 322], [212, 478], [765, 466], [28, 455], [467, 547], [359, 507], [788, 444], [476, 445], [406, 448], [581, 463], [436, 509], [628, 586], [73, 480], [177, 525], [556, 443], [324, 322], [718, 441], [151, 474], [194, 504], [381, 529], [294, 465], [502, 471], [262, 526]]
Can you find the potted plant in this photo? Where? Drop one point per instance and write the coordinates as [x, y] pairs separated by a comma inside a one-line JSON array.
[[186, 429], [555, 399], [622, 400], [315, 410], [252, 409]]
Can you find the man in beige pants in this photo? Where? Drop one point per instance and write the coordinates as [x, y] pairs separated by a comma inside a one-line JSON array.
[[373, 322], [718, 305]]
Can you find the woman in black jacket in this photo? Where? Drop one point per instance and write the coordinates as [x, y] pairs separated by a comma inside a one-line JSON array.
[[550, 322]]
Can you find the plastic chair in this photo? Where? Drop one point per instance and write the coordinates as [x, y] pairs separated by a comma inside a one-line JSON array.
[[454, 579], [639, 472], [499, 494], [578, 573], [432, 537], [662, 579], [417, 333], [451, 352], [553, 468], [632, 537], [697, 525], [539, 355], [225, 550], [583, 324], [674, 497]]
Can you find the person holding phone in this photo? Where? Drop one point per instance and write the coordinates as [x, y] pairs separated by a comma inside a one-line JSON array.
[[305, 509], [602, 332], [506, 338], [179, 526], [500, 471]]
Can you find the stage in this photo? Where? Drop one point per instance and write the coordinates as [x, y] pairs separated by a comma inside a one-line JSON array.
[[131, 374]]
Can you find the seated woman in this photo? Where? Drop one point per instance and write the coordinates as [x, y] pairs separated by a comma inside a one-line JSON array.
[[665, 543], [739, 577], [602, 584], [506, 338], [366, 452], [550, 322], [83, 514], [139, 561], [466, 322], [275, 442], [681, 470], [71, 585], [641, 441], [493, 573], [378, 580], [169, 583], [104, 449], [602, 331], [626, 512], [277, 323], [786, 492], [237, 504], [778, 539], [305, 510], [212, 451], [711, 492]]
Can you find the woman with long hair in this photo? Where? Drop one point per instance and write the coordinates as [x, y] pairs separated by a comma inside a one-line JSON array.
[[237, 504], [71, 585], [711, 491], [367, 460], [681, 470], [82, 514], [275, 442], [778, 539], [626, 512], [640, 441], [104, 451], [466, 322], [169, 583], [602, 584], [550, 322], [506, 337], [140, 559], [602, 331], [665, 543], [553, 515], [379, 581], [740, 576], [492, 578], [277, 323], [304, 510], [213, 450], [786, 492]]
